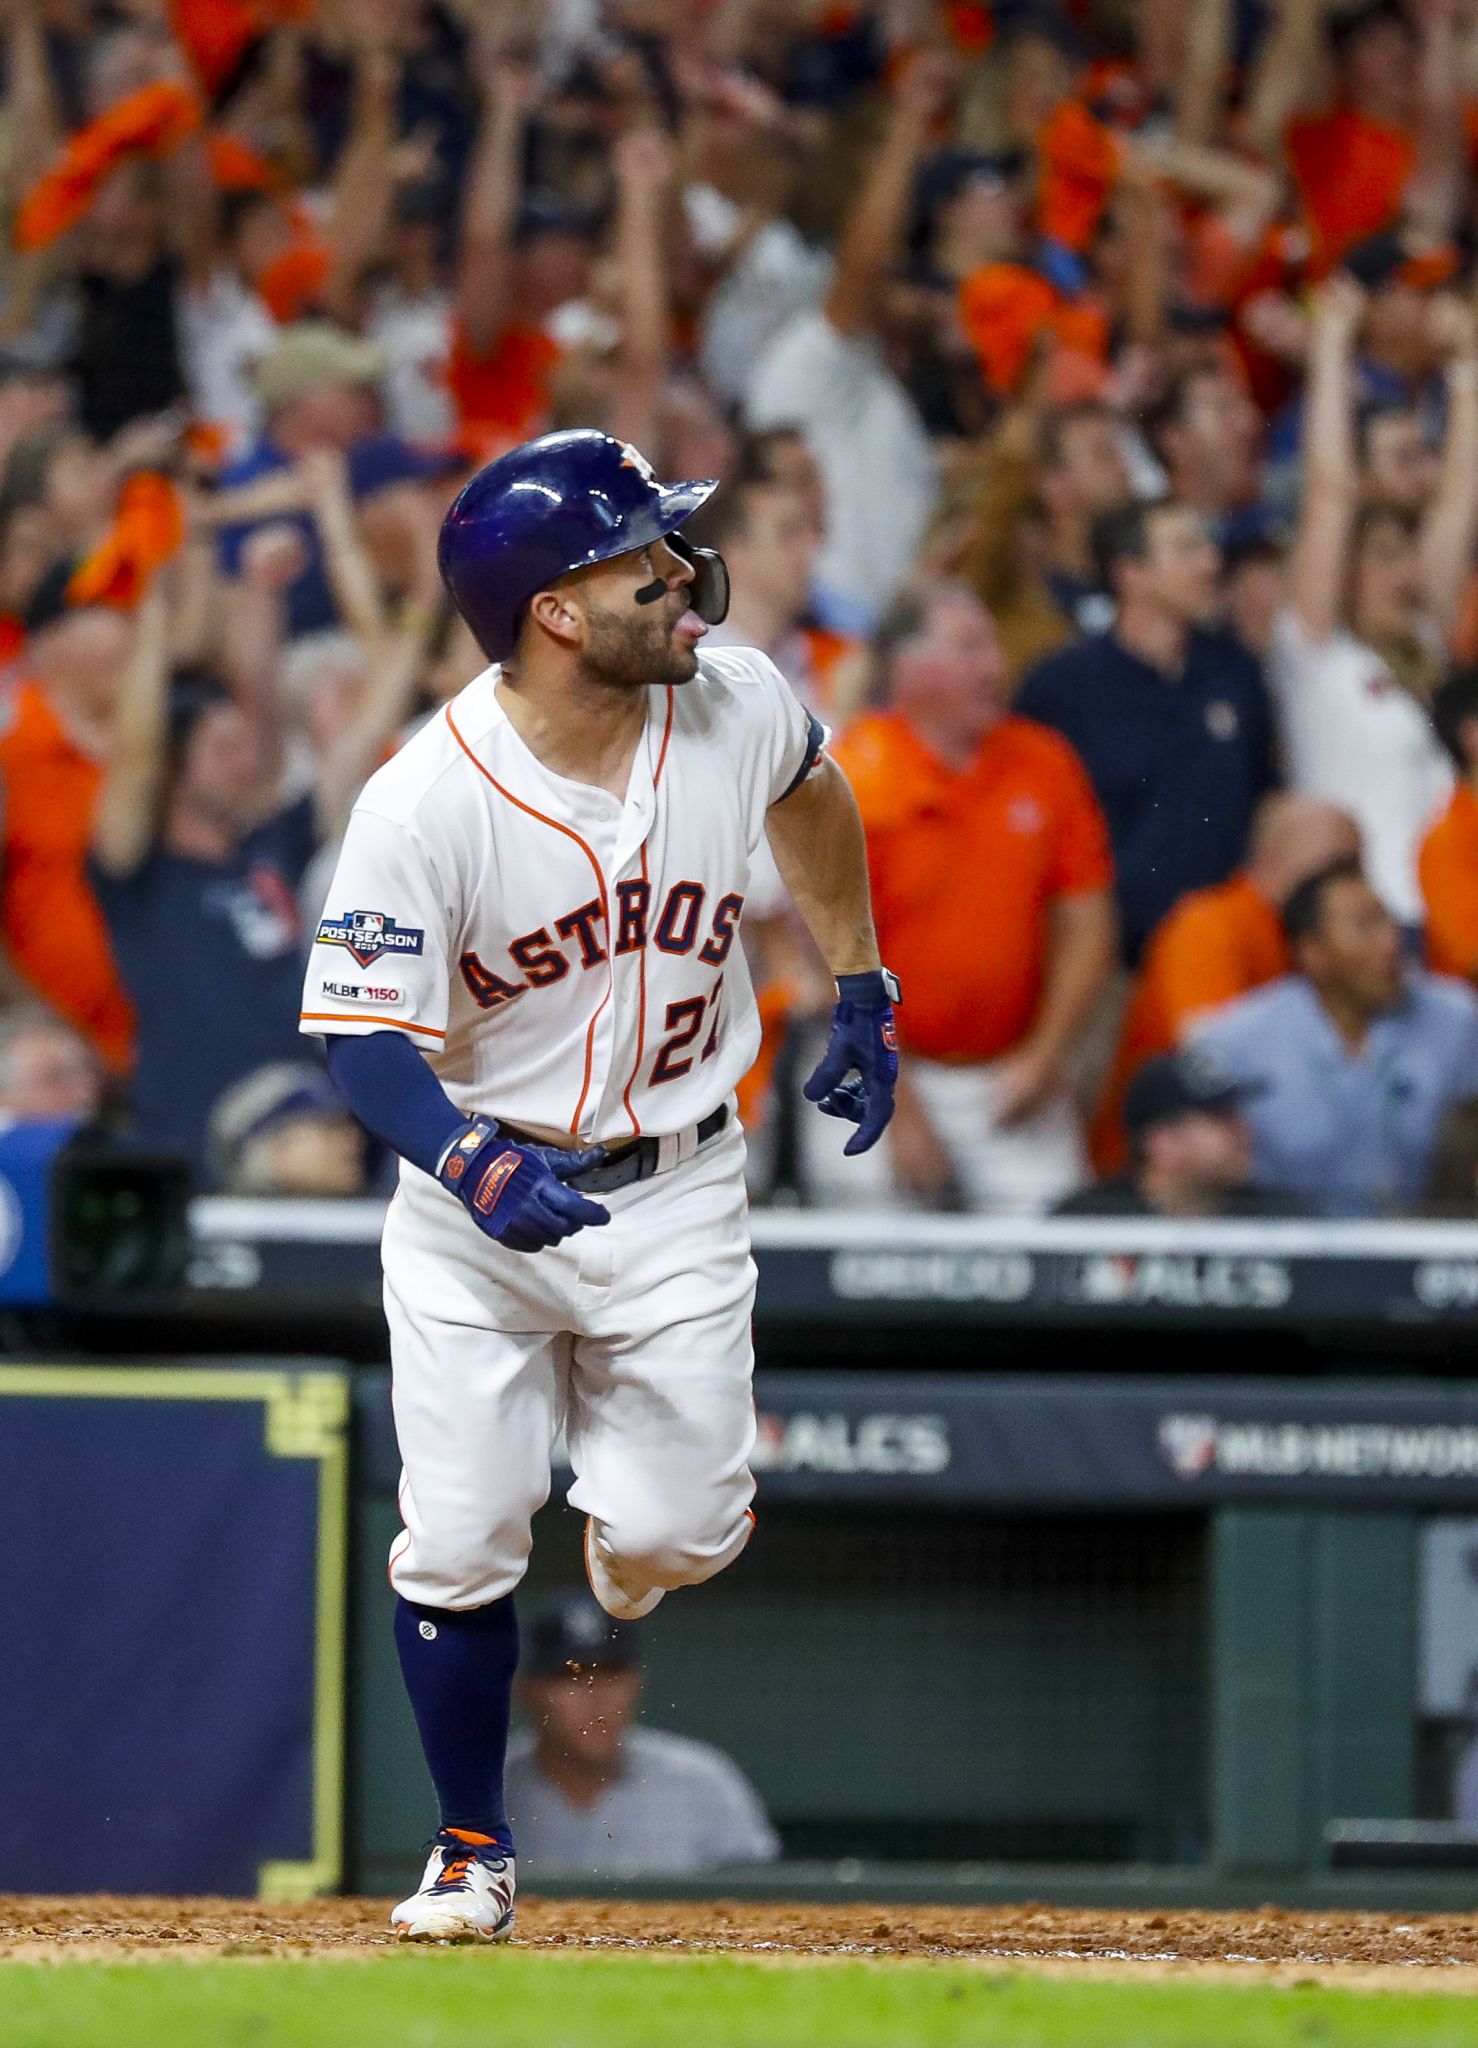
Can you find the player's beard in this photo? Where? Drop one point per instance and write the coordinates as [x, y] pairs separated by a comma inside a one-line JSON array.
[[637, 649]]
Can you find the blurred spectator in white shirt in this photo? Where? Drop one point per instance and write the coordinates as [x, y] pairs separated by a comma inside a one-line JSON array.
[[828, 373], [410, 321], [1375, 593]]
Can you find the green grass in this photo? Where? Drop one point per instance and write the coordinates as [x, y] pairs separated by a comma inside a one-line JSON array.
[[504, 1999]]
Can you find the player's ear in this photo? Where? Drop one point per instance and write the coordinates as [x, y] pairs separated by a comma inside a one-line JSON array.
[[559, 612]]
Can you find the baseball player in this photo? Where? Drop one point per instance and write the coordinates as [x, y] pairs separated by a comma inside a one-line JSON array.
[[529, 977]]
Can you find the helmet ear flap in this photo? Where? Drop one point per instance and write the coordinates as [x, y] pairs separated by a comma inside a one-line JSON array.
[[708, 593], [711, 586]]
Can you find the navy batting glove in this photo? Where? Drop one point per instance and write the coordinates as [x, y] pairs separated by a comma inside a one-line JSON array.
[[863, 1035], [515, 1194]]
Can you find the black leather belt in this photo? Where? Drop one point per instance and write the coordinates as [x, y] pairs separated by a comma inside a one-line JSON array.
[[637, 1160]]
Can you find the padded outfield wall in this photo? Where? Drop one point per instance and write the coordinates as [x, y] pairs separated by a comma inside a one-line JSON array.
[[1082, 1549]]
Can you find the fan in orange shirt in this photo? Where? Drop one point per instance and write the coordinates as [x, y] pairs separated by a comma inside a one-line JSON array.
[[1080, 159], [1218, 944], [973, 235], [1351, 165], [1350, 173], [1448, 863], [517, 263], [1004, 307], [1051, 107], [59, 716], [991, 880]]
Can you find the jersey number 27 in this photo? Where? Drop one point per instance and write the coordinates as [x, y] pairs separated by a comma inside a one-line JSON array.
[[684, 1021]]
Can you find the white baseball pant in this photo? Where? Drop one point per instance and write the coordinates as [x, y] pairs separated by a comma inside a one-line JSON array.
[[633, 1336]]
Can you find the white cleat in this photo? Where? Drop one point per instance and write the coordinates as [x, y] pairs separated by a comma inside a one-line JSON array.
[[620, 1600], [466, 1893]]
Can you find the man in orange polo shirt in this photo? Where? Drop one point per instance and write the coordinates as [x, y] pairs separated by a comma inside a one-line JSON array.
[[57, 716], [992, 890], [1218, 944], [1448, 864]]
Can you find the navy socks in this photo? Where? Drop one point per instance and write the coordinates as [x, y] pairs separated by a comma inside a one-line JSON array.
[[458, 1669]]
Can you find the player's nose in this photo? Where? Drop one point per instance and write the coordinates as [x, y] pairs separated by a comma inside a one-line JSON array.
[[677, 572]]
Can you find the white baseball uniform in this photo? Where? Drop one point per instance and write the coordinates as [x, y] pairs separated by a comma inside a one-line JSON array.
[[570, 964]]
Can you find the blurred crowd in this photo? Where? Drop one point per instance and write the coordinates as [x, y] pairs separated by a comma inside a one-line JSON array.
[[1095, 386]]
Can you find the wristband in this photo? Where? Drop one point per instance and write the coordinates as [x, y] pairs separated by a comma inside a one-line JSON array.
[[876, 987], [463, 1148]]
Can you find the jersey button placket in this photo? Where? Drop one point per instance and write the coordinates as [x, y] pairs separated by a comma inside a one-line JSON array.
[[624, 1008], [599, 828]]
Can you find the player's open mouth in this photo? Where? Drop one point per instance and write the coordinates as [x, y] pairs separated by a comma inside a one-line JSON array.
[[690, 628]]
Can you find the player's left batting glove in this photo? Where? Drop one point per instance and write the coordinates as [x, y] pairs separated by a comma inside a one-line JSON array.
[[863, 1035], [516, 1194]]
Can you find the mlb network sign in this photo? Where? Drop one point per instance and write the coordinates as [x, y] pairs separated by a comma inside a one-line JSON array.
[[1195, 1445]]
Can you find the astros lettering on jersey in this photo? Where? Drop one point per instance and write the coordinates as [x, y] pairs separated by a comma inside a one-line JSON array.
[[566, 962]]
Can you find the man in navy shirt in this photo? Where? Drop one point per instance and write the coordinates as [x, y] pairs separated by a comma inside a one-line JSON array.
[[201, 907], [1171, 719]]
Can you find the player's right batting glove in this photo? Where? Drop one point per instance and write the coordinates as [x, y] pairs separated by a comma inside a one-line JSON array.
[[863, 1035], [516, 1193]]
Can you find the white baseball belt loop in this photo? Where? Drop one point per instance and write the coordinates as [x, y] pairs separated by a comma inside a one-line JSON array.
[[676, 1149]]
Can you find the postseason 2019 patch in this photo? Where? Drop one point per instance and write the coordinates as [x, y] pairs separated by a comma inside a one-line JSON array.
[[366, 935]]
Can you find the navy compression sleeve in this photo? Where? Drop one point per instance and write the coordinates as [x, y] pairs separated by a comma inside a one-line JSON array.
[[395, 1095]]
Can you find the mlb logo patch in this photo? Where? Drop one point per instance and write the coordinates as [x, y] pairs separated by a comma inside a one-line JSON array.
[[1188, 1444], [367, 934]]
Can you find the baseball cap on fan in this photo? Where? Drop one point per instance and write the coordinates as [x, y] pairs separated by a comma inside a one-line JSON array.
[[573, 1630], [312, 353], [267, 1097], [1186, 1083], [951, 172]]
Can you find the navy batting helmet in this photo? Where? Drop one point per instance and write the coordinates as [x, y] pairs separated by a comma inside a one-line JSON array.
[[556, 504]]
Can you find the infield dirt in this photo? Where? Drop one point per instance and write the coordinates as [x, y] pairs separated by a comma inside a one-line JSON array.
[[1427, 1952]]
